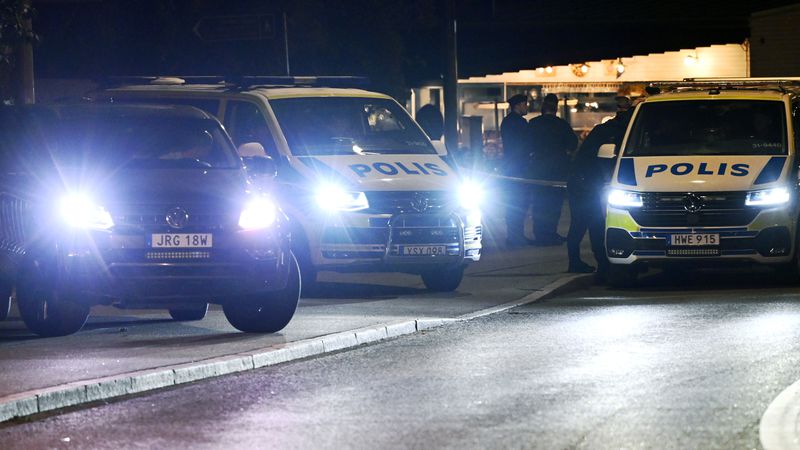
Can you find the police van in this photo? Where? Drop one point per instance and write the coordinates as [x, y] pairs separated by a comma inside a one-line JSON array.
[[707, 173], [366, 189]]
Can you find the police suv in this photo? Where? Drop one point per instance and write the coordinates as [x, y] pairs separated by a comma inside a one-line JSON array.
[[707, 172], [364, 186], [137, 206]]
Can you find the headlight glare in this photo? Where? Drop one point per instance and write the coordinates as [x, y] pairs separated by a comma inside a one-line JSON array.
[[79, 211], [258, 213], [470, 195], [768, 197], [625, 199], [334, 198]]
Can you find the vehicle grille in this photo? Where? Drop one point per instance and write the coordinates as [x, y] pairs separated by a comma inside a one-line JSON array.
[[393, 202], [13, 212], [666, 209], [177, 255], [693, 252], [204, 221]]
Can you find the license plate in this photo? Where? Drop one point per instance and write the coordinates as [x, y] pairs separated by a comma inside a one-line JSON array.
[[694, 239], [423, 250], [181, 240]]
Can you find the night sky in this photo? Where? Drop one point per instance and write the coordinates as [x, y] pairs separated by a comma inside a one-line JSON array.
[[396, 43]]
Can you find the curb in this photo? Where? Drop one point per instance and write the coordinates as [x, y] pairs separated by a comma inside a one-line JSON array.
[[778, 428], [80, 392]]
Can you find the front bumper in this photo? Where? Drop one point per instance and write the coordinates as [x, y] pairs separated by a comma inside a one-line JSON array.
[[767, 239], [362, 242], [123, 268]]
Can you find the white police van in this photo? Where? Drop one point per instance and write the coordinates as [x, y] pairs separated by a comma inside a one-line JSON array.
[[364, 186], [707, 173]]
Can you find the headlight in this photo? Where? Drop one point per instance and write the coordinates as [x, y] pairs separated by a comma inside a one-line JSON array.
[[334, 198], [79, 211], [470, 195], [768, 197], [625, 199], [258, 213]]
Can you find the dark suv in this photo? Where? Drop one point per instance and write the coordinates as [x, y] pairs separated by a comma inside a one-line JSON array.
[[137, 207]]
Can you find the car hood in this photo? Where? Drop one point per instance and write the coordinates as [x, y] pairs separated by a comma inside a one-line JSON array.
[[700, 173], [380, 172], [211, 187]]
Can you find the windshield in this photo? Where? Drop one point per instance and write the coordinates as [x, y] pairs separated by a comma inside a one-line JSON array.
[[115, 141], [347, 126], [709, 127]]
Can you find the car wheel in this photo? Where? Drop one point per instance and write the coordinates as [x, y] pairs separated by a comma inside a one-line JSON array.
[[622, 275], [302, 251], [46, 311], [443, 280], [189, 314], [269, 312]]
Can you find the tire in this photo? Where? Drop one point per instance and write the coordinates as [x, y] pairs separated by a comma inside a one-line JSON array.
[[444, 280], [308, 273], [46, 311], [5, 300], [189, 314], [622, 275], [269, 312], [302, 252]]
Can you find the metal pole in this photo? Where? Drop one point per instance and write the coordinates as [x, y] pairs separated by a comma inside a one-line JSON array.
[[451, 81], [286, 43]]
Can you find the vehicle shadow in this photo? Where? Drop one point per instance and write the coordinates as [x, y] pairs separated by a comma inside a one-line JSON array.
[[133, 333], [716, 286]]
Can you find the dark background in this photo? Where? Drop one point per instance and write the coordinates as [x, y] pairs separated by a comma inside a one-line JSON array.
[[396, 43]]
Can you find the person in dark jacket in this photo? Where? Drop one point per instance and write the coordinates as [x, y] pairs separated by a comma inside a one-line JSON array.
[[430, 119], [553, 145], [515, 134], [587, 202]]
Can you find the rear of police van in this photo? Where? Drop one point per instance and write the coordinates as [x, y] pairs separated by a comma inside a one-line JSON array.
[[703, 176]]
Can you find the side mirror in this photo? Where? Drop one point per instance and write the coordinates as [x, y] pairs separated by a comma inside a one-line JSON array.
[[249, 149], [606, 151], [260, 165]]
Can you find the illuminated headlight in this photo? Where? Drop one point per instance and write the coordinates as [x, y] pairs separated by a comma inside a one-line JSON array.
[[768, 197], [470, 195], [79, 211], [334, 198], [258, 213], [625, 199]]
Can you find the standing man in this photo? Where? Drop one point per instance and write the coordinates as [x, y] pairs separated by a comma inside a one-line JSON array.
[[585, 188], [553, 144], [516, 136]]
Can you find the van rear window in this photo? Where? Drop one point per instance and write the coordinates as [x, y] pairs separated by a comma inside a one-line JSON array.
[[709, 127]]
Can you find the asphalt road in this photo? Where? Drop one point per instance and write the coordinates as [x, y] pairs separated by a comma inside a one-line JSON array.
[[677, 363]]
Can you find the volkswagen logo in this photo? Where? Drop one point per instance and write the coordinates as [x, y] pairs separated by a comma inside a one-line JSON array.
[[177, 218], [692, 202], [419, 202]]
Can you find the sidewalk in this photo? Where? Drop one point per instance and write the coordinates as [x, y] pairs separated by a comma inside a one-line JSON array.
[[125, 352]]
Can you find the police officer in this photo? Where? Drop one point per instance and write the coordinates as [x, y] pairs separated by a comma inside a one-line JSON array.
[[587, 203], [516, 137], [553, 144]]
